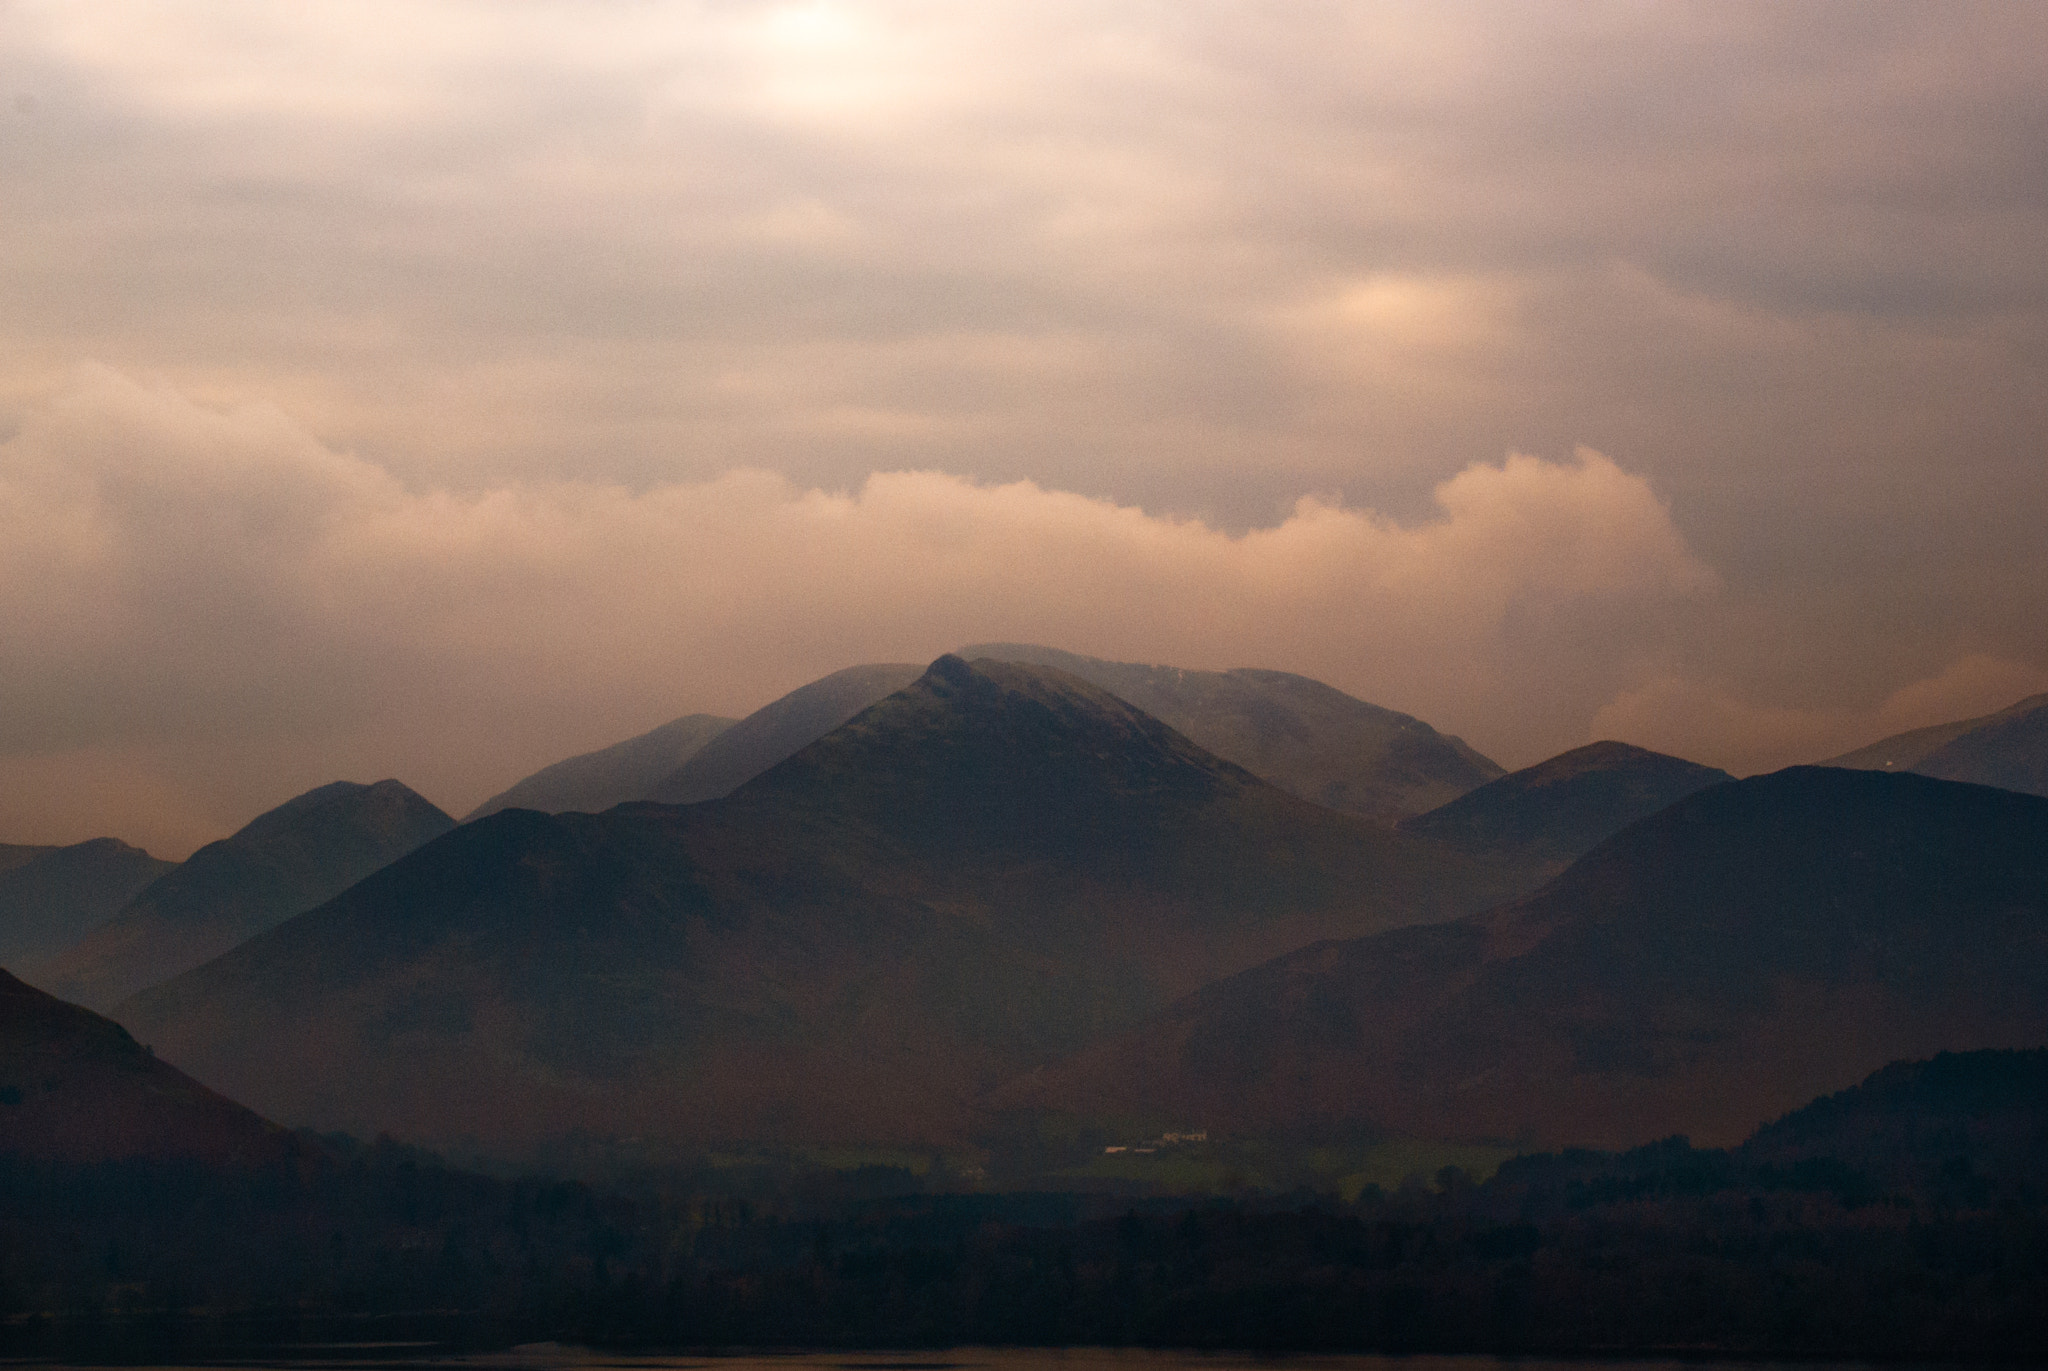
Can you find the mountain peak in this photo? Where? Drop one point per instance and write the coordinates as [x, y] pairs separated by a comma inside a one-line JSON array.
[[1308, 738], [1567, 805], [280, 863], [1015, 753]]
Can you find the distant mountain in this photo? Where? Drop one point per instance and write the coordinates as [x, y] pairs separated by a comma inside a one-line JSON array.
[[595, 781], [282, 863], [776, 731], [58, 895], [15, 854], [74, 1087], [1310, 739], [985, 870], [1709, 967], [2008, 749], [1562, 809]]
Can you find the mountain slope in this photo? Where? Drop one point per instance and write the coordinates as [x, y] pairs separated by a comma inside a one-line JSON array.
[[13, 855], [988, 868], [777, 730], [1755, 944], [61, 894], [1308, 738], [74, 1087], [2008, 749], [281, 863], [595, 781], [1562, 808]]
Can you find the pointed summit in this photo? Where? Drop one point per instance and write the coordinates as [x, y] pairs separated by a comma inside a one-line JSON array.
[[1562, 808], [1310, 739], [281, 863]]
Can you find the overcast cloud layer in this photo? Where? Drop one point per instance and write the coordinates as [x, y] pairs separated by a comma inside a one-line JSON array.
[[437, 389]]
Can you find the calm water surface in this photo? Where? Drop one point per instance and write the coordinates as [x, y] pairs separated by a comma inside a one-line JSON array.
[[552, 1357]]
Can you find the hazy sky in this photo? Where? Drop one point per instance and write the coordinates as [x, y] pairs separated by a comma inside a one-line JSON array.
[[437, 389]]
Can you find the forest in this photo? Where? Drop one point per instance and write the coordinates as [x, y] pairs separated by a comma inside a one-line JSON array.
[[1903, 1220]]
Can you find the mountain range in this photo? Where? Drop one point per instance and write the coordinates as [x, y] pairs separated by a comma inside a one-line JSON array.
[[1717, 963], [280, 864], [990, 867], [1310, 739]]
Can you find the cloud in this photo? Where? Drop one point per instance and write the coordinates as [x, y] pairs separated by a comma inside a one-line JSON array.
[[1695, 718], [185, 580], [548, 285]]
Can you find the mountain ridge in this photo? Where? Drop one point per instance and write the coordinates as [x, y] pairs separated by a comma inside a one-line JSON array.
[[1754, 945], [982, 870], [595, 781], [1309, 738], [282, 862]]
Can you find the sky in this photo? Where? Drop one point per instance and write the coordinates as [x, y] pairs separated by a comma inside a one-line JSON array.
[[439, 389]]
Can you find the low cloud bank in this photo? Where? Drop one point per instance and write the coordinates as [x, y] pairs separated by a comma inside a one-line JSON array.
[[207, 611]]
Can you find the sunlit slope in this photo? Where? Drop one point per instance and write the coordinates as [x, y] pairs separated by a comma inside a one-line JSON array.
[[1563, 808], [1708, 968], [595, 781], [281, 863], [1310, 739], [987, 869]]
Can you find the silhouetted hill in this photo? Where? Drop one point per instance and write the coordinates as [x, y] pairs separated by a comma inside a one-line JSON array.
[[75, 1088], [986, 869], [282, 863], [1310, 739], [1562, 809], [777, 731], [595, 781], [58, 895], [1711, 966], [2008, 749], [1927, 1127], [13, 855]]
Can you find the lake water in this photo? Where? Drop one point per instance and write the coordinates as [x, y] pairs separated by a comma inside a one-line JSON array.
[[552, 1357]]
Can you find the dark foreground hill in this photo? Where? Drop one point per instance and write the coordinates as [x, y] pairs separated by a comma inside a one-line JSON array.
[[777, 730], [281, 863], [987, 869], [55, 896], [2008, 749], [595, 781], [1310, 739], [1705, 969], [76, 1088], [1561, 809]]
